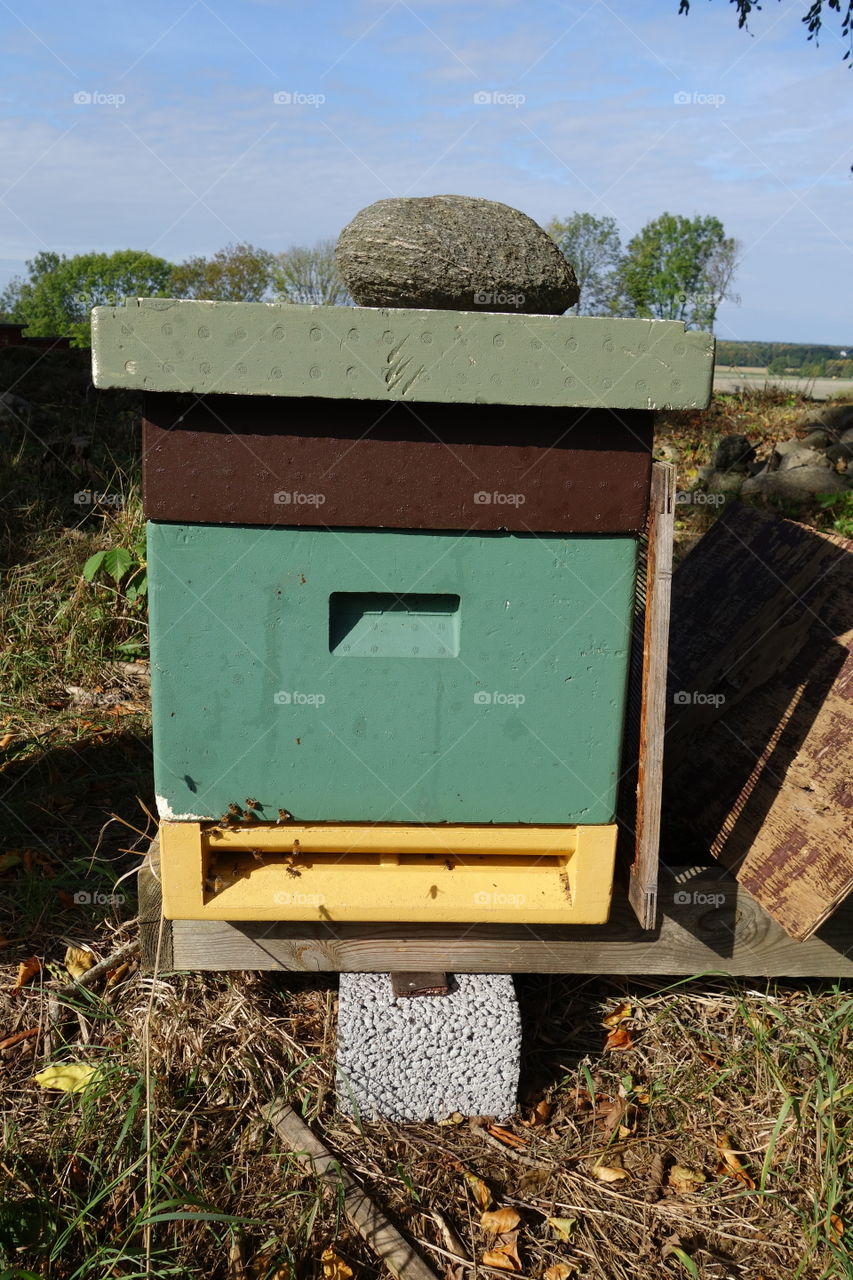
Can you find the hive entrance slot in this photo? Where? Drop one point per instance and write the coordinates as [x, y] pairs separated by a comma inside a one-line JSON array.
[[377, 624]]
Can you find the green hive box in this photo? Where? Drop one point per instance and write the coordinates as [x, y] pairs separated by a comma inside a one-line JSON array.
[[462, 663], [367, 675]]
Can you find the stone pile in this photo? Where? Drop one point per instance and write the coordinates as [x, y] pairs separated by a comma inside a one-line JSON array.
[[820, 461]]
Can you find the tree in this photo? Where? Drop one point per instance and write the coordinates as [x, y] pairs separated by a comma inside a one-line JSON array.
[[57, 297], [303, 274], [593, 247], [237, 273], [813, 17], [680, 268]]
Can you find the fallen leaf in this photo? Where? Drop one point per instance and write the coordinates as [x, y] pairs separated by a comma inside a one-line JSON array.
[[9, 860], [836, 1227], [685, 1181], [481, 1192], [68, 1077], [5, 740], [27, 970], [65, 900], [334, 1267], [539, 1115], [506, 1136], [562, 1227], [608, 1113], [731, 1165], [456, 1118], [560, 1271], [500, 1220], [619, 1038], [608, 1173], [78, 960], [619, 1014], [504, 1256], [642, 1096], [117, 974]]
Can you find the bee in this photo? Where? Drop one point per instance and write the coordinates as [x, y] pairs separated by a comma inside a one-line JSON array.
[[225, 821], [297, 849], [284, 815], [291, 871], [257, 854], [214, 883], [235, 810], [448, 864], [251, 803]]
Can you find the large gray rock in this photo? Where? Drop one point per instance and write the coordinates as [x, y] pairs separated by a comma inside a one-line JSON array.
[[802, 482], [793, 459], [455, 253], [733, 453]]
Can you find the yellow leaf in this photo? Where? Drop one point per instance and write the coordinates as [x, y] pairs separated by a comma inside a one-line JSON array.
[[504, 1256], [482, 1194], [68, 1077], [619, 1038], [78, 960], [606, 1173], [454, 1119], [562, 1227], [731, 1165], [560, 1271], [619, 1014], [500, 1220], [27, 970], [334, 1267], [685, 1181], [625, 1131]]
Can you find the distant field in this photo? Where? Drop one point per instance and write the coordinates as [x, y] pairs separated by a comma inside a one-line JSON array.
[[728, 378]]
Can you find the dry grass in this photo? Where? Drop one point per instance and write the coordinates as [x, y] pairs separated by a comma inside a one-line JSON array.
[[164, 1166]]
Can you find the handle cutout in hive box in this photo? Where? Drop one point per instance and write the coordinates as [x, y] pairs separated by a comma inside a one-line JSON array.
[[374, 624]]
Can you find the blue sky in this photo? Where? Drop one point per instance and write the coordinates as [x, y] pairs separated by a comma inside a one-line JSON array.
[[622, 108]]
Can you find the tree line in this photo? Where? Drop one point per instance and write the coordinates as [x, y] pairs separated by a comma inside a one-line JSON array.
[[786, 357], [675, 268]]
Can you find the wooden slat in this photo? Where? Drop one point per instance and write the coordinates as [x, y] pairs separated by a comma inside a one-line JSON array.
[[761, 695], [644, 774], [708, 924]]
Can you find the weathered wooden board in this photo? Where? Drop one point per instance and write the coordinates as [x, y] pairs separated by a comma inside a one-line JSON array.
[[639, 813], [758, 748], [708, 924], [372, 353]]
